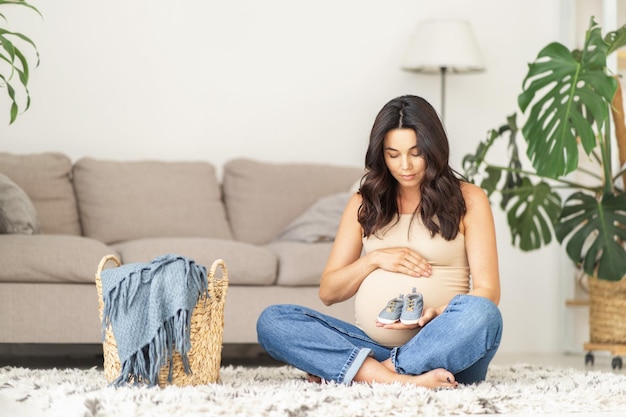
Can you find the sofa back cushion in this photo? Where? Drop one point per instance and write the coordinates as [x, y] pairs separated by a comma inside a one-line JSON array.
[[263, 198], [125, 200], [46, 179]]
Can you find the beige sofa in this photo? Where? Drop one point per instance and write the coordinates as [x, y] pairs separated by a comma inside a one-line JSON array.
[[271, 223]]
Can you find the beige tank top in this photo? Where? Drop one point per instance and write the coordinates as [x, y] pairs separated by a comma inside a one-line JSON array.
[[450, 276]]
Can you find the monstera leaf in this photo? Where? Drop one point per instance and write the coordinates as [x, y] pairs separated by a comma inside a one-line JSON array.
[[598, 230], [476, 165], [568, 93], [532, 214]]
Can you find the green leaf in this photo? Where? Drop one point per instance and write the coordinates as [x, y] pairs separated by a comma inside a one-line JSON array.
[[11, 93], [25, 39], [11, 52], [565, 93], [615, 40], [472, 163], [491, 180], [7, 45], [513, 178], [20, 3], [533, 211], [597, 230]]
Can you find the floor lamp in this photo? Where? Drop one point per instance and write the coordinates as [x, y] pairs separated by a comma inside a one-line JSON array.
[[443, 47]]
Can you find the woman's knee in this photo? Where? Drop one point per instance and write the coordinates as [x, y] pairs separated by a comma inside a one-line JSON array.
[[273, 319], [488, 316], [482, 313], [269, 317], [268, 314], [481, 307]]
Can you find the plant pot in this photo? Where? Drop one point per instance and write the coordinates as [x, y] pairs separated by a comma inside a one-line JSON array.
[[607, 311]]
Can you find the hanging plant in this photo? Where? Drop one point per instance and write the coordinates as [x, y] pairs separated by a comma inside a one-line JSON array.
[[14, 64]]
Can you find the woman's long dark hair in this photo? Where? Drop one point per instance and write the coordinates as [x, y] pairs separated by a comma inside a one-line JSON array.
[[442, 205]]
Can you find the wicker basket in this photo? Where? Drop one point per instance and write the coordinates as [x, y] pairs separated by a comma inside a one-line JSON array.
[[607, 311], [206, 334]]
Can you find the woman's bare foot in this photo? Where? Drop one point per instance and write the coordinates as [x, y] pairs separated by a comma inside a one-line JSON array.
[[437, 378], [374, 371], [313, 378]]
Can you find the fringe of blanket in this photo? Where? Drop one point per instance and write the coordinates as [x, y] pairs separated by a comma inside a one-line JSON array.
[[145, 365]]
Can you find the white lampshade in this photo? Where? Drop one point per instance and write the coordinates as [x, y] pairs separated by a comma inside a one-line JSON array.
[[438, 44]]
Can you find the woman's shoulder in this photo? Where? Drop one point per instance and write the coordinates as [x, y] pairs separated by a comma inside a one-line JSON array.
[[351, 210], [472, 191], [474, 196], [355, 200]]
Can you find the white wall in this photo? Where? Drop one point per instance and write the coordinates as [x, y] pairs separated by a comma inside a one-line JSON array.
[[278, 80]]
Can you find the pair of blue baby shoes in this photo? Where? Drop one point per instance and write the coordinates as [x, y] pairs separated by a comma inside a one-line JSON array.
[[407, 310]]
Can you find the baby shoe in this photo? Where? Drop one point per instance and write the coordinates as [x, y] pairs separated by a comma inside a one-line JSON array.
[[391, 312], [412, 308]]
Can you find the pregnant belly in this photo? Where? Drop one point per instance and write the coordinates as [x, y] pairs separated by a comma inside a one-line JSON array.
[[380, 286]]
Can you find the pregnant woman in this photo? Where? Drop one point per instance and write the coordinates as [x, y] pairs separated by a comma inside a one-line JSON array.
[[414, 226]]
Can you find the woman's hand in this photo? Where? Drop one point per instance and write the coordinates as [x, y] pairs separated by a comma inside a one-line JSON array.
[[428, 314], [402, 260]]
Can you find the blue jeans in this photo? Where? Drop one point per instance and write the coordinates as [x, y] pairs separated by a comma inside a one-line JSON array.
[[463, 340]]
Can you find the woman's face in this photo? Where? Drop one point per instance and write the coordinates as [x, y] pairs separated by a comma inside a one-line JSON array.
[[402, 157]]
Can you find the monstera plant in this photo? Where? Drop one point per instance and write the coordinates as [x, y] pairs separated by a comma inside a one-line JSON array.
[[568, 98], [574, 120], [573, 114], [14, 63]]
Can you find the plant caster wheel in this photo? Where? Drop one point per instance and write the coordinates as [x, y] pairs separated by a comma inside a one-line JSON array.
[[616, 362], [589, 359]]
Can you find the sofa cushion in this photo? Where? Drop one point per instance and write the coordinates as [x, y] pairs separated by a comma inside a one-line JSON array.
[[46, 179], [17, 212], [126, 200], [50, 258], [318, 223], [300, 264], [263, 198], [247, 264]]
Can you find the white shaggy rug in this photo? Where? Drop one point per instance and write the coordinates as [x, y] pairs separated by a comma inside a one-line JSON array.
[[282, 391]]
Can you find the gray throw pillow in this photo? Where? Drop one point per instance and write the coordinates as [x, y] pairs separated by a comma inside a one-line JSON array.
[[319, 222], [17, 212]]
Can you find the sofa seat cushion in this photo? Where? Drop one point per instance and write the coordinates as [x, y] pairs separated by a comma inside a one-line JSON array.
[[50, 258], [301, 264], [127, 200], [247, 264], [46, 179], [263, 198]]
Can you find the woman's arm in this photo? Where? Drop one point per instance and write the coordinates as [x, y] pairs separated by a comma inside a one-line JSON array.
[[480, 243], [346, 269]]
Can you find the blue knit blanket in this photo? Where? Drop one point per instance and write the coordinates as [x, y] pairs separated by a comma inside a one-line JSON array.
[[149, 307]]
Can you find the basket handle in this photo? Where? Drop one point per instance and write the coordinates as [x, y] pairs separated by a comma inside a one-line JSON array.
[[106, 259], [217, 291], [103, 262]]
